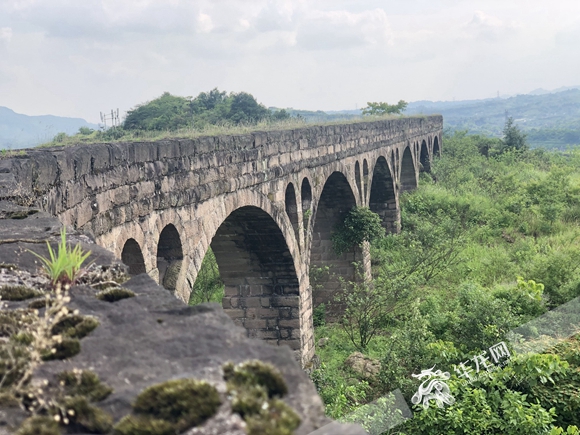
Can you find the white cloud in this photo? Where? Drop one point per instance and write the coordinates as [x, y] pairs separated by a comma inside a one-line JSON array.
[[489, 27], [5, 34]]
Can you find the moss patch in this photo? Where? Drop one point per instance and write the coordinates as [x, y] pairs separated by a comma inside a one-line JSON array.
[[13, 361], [67, 348], [143, 425], [86, 416], [84, 383], [17, 293], [37, 304], [171, 407], [115, 294], [11, 322], [75, 326], [39, 426], [256, 388]]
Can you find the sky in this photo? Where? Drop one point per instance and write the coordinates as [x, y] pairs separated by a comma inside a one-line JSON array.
[[81, 57]]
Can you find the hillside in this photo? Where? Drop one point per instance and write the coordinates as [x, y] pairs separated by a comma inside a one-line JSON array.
[[22, 131], [551, 120]]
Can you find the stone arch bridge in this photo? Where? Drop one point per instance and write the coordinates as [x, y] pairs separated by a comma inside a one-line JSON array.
[[265, 202]]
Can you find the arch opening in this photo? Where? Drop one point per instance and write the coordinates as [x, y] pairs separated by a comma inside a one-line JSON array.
[[408, 176], [366, 178], [383, 200], [133, 257], [424, 159], [436, 149], [292, 209], [336, 200], [306, 194], [169, 257], [261, 290], [357, 178]]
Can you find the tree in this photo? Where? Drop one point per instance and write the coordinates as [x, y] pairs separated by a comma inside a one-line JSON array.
[[513, 138], [168, 112], [360, 225], [245, 109], [379, 109]]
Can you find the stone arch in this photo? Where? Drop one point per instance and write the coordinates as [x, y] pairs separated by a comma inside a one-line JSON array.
[[436, 149], [306, 196], [383, 199], [365, 179], [169, 257], [357, 179], [132, 256], [336, 199], [408, 177], [262, 289], [424, 158], [292, 208]]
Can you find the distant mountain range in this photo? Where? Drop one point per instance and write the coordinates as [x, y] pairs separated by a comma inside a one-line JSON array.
[[22, 131]]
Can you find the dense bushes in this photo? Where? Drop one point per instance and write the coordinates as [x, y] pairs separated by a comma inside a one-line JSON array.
[[488, 242]]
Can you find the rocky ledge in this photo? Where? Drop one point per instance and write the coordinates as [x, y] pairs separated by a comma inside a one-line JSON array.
[[141, 341]]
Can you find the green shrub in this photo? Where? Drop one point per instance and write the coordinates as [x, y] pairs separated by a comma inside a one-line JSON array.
[[319, 315], [143, 425], [359, 225]]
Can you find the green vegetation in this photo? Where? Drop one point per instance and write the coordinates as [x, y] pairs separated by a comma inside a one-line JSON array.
[[359, 225], [379, 109], [170, 407], [488, 242], [208, 286], [64, 266]]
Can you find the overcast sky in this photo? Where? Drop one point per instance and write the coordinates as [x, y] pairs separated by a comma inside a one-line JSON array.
[[80, 57]]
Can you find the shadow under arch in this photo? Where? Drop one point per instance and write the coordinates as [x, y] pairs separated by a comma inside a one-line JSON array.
[[424, 159], [257, 268], [132, 256], [436, 149], [408, 175], [336, 199], [292, 209], [383, 199], [169, 257]]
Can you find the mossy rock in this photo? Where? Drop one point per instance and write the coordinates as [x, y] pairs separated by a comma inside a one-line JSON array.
[[67, 348], [85, 383], [255, 388], [39, 426], [276, 418], [115, 294], [38, 304], [17, 293], [143, 425], [75, 326], [256, 373], [183, 402], [87, 416]]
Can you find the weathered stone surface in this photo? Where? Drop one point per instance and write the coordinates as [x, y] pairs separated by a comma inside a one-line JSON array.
[[367, 367], [152, 338]]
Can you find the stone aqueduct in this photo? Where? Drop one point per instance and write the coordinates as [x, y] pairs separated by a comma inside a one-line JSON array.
[[265, 202]]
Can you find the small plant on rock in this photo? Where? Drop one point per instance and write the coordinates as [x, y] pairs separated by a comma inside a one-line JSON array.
[[63, 266]]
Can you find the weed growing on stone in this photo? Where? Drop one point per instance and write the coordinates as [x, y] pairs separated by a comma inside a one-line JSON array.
[[63, 266]]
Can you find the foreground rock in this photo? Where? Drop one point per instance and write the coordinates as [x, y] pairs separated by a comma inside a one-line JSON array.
[[146, 339]]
